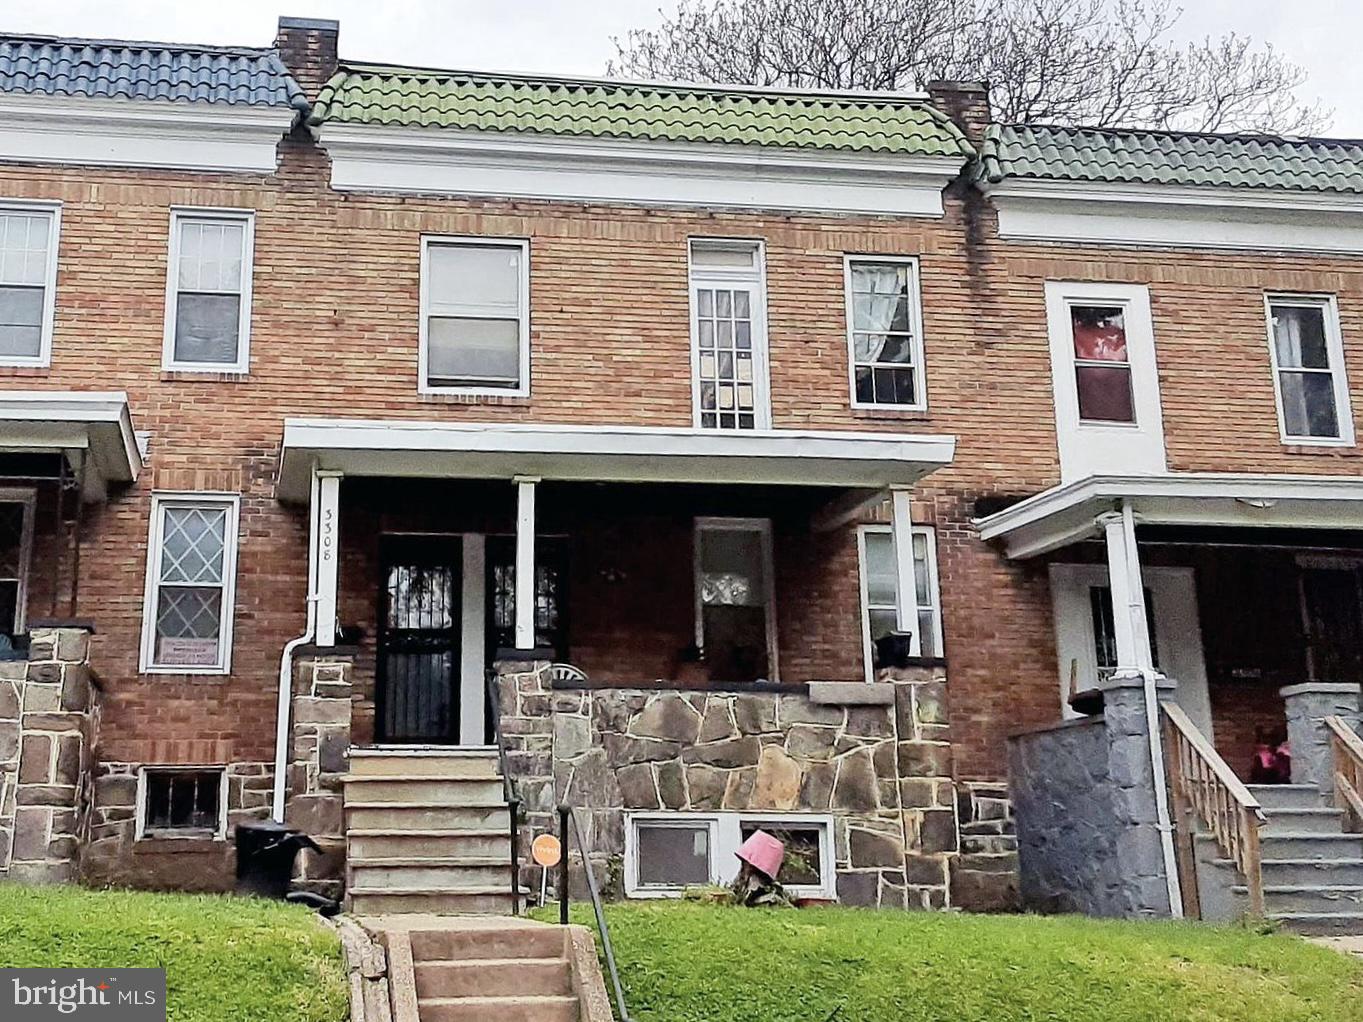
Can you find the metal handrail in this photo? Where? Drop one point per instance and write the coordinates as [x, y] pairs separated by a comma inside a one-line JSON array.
[[567, 820], [1347, 750], [513, 802]]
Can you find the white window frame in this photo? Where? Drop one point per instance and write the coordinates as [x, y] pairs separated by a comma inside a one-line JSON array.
[[142, 832], [722, 277], [53, 211], [159, 502], [934, 590], [1334, 349], [920, 383], [28, 497], [762, 526], [473, 311], [726, 837], [180, 215]]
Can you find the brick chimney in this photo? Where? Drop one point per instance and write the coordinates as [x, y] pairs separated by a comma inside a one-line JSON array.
[[966, 103], [308, 48]]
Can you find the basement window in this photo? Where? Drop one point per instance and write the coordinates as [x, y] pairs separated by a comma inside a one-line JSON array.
[[182, 803]]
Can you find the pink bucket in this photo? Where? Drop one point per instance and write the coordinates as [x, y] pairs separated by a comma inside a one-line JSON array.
[[763, 853]]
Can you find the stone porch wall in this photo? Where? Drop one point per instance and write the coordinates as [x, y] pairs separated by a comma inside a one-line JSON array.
[[877, 758]]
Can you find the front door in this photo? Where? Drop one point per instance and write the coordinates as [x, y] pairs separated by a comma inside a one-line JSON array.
[[1332, 617], [417, 695]]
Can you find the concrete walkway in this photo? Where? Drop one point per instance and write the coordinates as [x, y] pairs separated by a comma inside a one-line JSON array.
[[1345, 945]]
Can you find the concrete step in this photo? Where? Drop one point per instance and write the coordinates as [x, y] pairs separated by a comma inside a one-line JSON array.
[[1287, 796], [440, 761], [369, 901], [1310, 872], [1311, 899], [502, 1009], [396, 844], [525, 940], [426, 816], [485, 977], [471, 790], [1311, 846], [429, 873], [1303, 821], [1313, 922]]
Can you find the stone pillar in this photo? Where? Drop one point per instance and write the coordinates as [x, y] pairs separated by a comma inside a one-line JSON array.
[[1137, 845], [1308, 704], [321, 746]]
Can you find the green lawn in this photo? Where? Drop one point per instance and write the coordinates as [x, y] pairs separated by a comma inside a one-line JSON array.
[[226, 959], [693, 963]]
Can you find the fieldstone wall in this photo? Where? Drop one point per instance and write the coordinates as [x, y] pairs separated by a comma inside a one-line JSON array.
[[48, 718]]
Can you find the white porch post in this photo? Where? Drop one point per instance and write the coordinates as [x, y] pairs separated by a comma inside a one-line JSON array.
[[328, 541], [906, 606], [1130, 626], [525, 561], [473, 656]]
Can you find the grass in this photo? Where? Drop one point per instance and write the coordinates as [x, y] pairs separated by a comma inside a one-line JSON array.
[[698, 963], [226, 959]]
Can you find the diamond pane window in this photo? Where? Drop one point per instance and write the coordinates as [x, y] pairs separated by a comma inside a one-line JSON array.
[[27, 279], [190, 584], [880, 588], [1308, 362], [209, 307], [882, 319], [475, 315]]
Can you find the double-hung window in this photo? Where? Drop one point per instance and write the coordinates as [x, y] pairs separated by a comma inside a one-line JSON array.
[[880, 589], [729, 335], [208, 294], [884, 333], [191, 576], [1308, 370], [475, 316], [28, 282]]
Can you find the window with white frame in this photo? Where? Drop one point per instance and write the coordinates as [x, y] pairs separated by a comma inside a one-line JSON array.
[[28, 282], [880, 589], [16, 552], [666, 852], [191, 569], [735, 605], [182, 802], [729, 335], [208, 295], [884, 333], [475, 315], [1308, 369]]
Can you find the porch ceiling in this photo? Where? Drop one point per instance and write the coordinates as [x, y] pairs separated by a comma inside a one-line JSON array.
[[1065, 514], [847, 461], [97, 423]]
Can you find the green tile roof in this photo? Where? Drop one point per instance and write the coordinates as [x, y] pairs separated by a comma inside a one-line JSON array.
[[413, 97], [1131, 156]]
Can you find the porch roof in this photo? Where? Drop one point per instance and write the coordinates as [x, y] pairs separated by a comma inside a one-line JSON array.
[[97, 422], [853, 461], [1065, 514]]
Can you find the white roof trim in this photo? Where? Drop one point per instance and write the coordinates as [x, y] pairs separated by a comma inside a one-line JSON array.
[[445, 161], [604, 454], [1064, 514], [96, 422]]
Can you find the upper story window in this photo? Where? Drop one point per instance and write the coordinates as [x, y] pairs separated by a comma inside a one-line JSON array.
[[729, 335], [1308, 370], [208, 296], [1102, 363], [884, 333], [28, 282], [475, 316]]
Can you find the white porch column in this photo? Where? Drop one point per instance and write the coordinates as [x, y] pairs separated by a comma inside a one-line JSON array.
[[525, 561], [328, 541], [1130, 627], [906, 606], [472, 692]]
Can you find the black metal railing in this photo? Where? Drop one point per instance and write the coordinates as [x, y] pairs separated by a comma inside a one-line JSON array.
[[567, 827], [513, 802]]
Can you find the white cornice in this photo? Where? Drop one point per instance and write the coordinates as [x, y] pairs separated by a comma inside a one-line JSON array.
[[709, 174], [230, 138], [1103, 213]]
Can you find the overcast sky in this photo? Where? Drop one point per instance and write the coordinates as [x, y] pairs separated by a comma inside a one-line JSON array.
[[575, 37]]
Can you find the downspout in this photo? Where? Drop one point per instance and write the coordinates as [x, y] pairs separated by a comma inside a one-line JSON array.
[[281, 752]]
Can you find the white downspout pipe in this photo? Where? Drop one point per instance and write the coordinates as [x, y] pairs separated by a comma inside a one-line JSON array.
[[283, 714]]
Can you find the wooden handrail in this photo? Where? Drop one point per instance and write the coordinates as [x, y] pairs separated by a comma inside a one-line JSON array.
[[1203, 784], [1347, 747]]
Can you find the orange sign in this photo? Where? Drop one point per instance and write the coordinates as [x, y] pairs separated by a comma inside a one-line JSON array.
[[546, 850]]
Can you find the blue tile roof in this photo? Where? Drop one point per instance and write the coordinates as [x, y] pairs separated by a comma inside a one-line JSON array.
[[116, 69]]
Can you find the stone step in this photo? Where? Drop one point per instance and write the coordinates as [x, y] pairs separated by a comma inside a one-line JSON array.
[[526, 940], [426, 816], [471, 790], [502, 1009], [1308, 846], [440, 761], [1309, 872], [1313, 922], [429, 873], [368, 901], [1311, 899], [1303, 821], [1287, 796], [395, 844], [484, 977]]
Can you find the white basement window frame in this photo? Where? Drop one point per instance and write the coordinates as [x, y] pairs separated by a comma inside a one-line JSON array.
[[1293, 407], [485, 309], [193, 779], [876, 566], [730, 368], [723, 832], [29, 240], [906, 330], [217, 265], [176, 515]]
